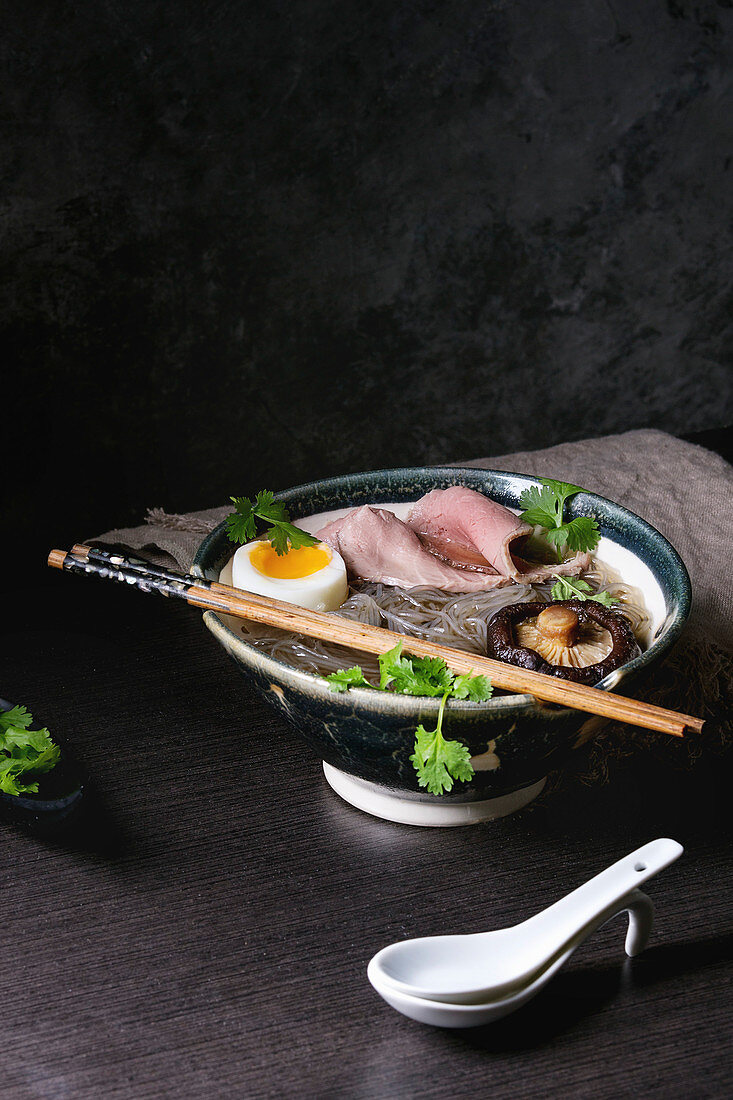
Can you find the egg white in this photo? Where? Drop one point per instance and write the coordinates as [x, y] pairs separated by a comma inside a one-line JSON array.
[[324, 590]]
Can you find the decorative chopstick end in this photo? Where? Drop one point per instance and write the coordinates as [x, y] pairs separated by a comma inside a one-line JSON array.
[[56, 559]]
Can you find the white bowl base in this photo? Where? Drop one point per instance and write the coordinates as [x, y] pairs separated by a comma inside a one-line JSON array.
[[386, 803]]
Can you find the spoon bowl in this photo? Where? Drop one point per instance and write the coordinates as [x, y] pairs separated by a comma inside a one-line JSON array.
[[449, 1014], [486, 966], [453, 1014]]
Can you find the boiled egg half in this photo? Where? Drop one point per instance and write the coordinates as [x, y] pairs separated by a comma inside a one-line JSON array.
[[311, 576]]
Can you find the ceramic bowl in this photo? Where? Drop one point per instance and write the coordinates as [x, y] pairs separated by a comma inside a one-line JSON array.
[[366, 738]]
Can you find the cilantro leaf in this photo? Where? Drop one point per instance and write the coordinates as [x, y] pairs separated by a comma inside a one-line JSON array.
[[413, 675], [393, 666], [278, 539], [544, 508], [24, 750], [540, 507], [346, 678], [9, 780], [556, 535], [267, 508], [40, 753], [476, 688], [20, 717], [581, 533], [432, 676], [439, 762], [575, 588], [561, 489], [605, 598], [570, 588], [389, 663], [429, 676], [285, 536], [241, 524]]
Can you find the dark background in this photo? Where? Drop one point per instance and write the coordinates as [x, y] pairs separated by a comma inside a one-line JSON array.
[[245, 245]]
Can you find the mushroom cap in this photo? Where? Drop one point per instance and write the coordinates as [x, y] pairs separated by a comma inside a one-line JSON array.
[[559, 636], [573, 639]]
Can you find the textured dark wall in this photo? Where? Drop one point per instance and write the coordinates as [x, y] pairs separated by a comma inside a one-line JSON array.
[[245, 244]]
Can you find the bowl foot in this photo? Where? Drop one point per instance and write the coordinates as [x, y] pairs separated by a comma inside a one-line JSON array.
[[390, 805]]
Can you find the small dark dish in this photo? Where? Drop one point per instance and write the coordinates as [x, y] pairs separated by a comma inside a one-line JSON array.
[[60, 793], [367, 737]]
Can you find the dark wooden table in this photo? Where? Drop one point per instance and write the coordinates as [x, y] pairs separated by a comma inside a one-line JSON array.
[[205, 931]]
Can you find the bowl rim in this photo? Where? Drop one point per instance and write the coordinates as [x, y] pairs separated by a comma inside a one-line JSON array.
[[396, 703]]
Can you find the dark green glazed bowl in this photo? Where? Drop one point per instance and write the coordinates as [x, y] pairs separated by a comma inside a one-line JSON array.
[[369, 734]]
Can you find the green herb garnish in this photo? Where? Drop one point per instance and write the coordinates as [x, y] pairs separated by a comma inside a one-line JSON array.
[[437, 762], [242, 523], [23, 751], [348, 677], [575, 588], [476, 688], [19, 717], [413, 675], [543, 507]]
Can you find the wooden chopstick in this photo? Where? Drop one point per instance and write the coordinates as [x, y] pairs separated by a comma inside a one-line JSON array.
[[367, 639]]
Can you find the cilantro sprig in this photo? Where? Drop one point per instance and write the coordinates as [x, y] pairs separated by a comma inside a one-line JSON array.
[[575, 588], [242, 523], [18, 717], [414, 676], [438, 762], [543, 507], [23, 751]]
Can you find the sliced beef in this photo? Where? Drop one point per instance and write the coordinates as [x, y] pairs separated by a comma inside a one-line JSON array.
[[377, 546], [462, 526], [532, 572], [466, 529]]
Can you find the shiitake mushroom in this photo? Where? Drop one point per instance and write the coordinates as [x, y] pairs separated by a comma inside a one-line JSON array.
[[576, 640]]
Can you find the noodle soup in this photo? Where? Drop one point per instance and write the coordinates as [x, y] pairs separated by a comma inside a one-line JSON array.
[[366, 738], [455, 619]]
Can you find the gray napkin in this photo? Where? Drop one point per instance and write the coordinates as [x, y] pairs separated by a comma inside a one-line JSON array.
[[683, 490]]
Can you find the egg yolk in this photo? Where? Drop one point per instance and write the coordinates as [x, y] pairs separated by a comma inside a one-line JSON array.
[[302, 562]]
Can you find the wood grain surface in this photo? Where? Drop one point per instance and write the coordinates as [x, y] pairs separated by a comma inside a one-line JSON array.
[[205, 931]]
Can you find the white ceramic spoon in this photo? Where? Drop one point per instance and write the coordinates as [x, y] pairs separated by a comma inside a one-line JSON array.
[[441, 1014], [487, 966]]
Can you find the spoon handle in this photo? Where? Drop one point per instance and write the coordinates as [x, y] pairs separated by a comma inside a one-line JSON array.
[[555, 926]]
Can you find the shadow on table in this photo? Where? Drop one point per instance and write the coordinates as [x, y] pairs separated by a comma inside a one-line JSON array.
[[576, 995], [90, 829]]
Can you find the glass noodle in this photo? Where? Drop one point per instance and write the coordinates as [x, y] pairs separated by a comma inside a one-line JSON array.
[[449, 618]]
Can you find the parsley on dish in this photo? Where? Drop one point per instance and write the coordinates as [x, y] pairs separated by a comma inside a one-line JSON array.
[[437, 762], [575, 588], [543, 507], [23, 752], [282, 534]]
